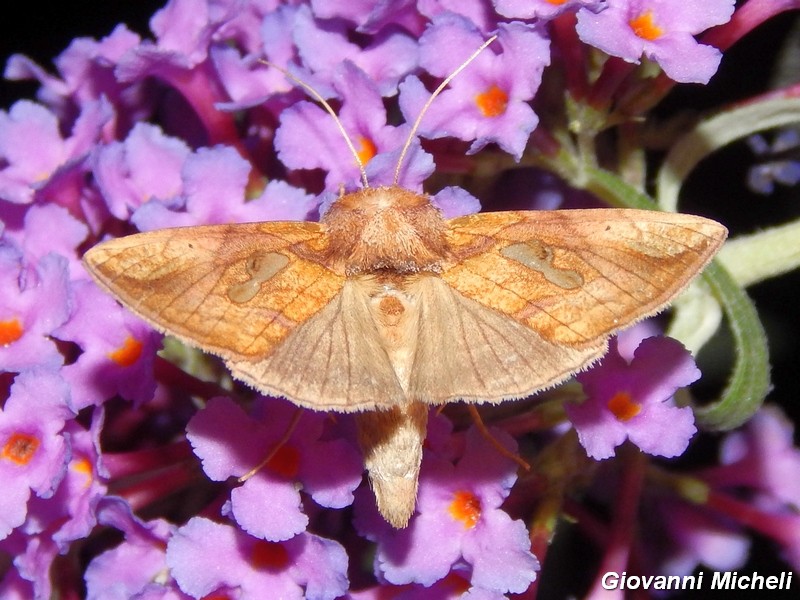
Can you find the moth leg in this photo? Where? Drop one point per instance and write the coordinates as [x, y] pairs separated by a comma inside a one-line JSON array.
[[281, 442], [476, 417]]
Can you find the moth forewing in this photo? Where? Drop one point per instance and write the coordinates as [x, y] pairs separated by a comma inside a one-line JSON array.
[[577, 276], [233, 290]]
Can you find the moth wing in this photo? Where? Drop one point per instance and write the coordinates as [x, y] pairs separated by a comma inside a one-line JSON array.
[[228, 289], [577, 276], [263, 297], [470, 352], [334, 361]]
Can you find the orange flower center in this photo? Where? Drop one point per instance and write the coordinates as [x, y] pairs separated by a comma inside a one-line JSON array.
[[83, 466], [465, 507], [623, 406], [10, 331], [645, 26], [366, 150], [270, 556], [492, 102], [556, 2], [20, 448], [285, 461], [127, 354]]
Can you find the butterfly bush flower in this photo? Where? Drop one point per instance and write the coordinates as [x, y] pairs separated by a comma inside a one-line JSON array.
[[780, 161], [86, 74], [118, 350], [136, 472], [231, 443], [305, 566], [35, 451], [34, 149], [389, 56], [109, 575], [633, 399], [489, 103], [145, 165], [36, 300], [363, 115], [545, 9], [49, 229], [52, 523], [661, 30]]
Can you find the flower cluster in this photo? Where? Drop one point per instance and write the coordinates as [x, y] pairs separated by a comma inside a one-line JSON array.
[[216, 491]]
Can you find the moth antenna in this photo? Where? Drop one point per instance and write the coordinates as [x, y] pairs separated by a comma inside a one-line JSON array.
[[427, 105], [289, 431], [318, 97]]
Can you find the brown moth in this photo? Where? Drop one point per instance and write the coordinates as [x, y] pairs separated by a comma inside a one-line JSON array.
[[384, 308]]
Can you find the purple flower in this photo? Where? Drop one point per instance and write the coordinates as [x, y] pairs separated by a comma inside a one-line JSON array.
[[455, 202], [231, 443], [48, 228], [248, 82], [323, 45], [633, 400], [544, 9], [696, 536], [761, 457], [487, 102], [371, 17], [479, 12], [661, 30], [32, 148], [13, 586], [455, 586], [110, 576], [213, 182], [87, 75], [781, 161], [306, 566], [33, 450], [118, 350], [459, 524], [146, 165], [53, 522], [34, 303]]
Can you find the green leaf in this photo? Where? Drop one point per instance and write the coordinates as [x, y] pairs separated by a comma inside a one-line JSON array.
[[749, 382]]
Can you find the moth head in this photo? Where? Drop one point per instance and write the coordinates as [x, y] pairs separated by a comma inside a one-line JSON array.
[[386, 228]]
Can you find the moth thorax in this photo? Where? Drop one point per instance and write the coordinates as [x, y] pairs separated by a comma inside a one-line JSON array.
[[386, 228]]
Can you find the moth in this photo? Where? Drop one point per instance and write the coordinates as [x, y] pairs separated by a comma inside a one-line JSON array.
[[385, 308]]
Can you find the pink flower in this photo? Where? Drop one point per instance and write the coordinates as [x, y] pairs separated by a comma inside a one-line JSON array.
[[34, 452], [205, 557], [232, 443], [661, 30], [633, 400]]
